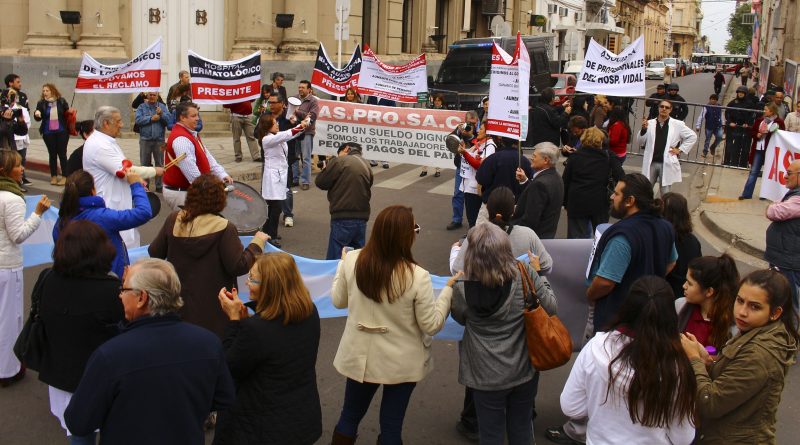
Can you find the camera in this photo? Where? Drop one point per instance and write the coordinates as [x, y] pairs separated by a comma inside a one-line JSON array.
[[5, 104], [468, 128]]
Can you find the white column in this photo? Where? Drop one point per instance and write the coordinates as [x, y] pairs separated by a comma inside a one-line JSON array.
[[253, 28], [101, 36], [46, 34]]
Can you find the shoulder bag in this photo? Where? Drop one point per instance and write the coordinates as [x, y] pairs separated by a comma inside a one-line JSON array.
[[31, 344], [549, 342]]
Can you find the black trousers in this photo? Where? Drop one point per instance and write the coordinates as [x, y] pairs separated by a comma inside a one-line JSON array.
[[472, 205], [469, 418], [274, 208], [56, 144]]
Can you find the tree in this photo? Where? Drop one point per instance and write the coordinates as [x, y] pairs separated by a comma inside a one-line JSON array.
[[741, 35]]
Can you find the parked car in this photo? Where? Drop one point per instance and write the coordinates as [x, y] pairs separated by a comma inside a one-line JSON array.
[[463, 77], [573, 67], [564, 86], [654, 70]]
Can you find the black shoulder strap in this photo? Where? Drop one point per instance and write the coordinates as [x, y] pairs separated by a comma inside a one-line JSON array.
[[36, 294]]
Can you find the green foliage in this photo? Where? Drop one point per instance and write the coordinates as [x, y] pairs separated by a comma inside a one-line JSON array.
[[741, 35]]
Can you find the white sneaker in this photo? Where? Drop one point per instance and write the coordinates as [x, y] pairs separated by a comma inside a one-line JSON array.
[[288, 221]]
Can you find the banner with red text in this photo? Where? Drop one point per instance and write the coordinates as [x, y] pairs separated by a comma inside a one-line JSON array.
[[783, 149], [143, 73], [392, 134], [508, 92], [228, 82], [333, 81], [401, 83]]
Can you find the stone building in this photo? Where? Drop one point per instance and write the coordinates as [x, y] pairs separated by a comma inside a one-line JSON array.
[[686, 18]]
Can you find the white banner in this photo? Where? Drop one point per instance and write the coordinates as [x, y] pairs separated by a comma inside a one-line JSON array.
[[392, 134], [403, 83], [508, 92], [783, 149], [607, 73], [143, 73], [225, 82]]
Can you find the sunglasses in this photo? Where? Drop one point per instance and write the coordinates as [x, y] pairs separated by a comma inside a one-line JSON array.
[[665, 107]]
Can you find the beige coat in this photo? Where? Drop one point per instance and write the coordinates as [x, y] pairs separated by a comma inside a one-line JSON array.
[[387, 343]]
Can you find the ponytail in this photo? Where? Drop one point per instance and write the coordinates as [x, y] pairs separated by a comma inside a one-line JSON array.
[[500, 206], [78, 185]]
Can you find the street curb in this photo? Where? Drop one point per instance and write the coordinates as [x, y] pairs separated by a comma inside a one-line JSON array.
[[732, 238]]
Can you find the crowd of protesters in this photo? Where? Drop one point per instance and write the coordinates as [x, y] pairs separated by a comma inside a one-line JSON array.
[[677, 347]]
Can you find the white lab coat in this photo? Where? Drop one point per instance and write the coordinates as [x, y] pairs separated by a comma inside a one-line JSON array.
[[678, 135], [276, 167], [102, 157]]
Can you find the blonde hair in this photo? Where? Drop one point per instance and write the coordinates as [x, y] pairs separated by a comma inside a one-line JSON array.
[[592, 137], [282, 292]]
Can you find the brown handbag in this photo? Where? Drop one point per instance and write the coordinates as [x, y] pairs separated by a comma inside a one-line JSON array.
[[549, 343]]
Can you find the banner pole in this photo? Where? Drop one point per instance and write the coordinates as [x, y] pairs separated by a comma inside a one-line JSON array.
[[519, 151], [340, 17]]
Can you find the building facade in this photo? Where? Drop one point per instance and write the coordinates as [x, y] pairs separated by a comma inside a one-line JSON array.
[[686, 18]]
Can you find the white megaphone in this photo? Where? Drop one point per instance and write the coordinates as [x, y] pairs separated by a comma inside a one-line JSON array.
[[293, 104]]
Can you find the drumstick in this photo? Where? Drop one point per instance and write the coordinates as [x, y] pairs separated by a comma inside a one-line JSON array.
[[175, 161]]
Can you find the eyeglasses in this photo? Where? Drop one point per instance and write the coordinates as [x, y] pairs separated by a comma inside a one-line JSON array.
[[253, 281], [790, 173], [126, 289], [416, 229], [665, 107]]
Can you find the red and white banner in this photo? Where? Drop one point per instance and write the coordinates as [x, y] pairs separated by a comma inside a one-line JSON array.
[[783, 149], [508, 92], [143, 73], [392, 134], [229, 82], [403, 83], [335, 82]]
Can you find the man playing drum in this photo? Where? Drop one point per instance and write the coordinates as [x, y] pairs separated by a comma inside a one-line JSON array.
[[184, 140]]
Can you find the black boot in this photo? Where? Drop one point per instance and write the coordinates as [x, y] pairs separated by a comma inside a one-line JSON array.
[[341, 439]]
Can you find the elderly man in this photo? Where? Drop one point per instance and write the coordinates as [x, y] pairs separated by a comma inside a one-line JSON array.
[[783, 107], [151, 117], [102, 158], [160, 378], [664, 139], [183, 139], [783, 234], [539, 206]]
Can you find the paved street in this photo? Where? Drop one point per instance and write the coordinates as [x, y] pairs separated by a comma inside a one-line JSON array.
[[436, 402]]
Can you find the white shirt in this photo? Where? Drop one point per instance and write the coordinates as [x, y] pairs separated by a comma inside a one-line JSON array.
[[584, 395], [469, 184], [102, 157], [188, 166], [14, 229]]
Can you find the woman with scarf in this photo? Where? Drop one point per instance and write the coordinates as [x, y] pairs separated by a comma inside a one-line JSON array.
[[483, 147], [52, 111], [80, 201], [14, 230], [762, 131]]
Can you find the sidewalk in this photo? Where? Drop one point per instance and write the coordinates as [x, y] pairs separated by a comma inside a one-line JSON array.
[[220, 147]]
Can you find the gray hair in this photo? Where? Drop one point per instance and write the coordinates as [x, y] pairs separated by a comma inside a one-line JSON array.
[[104, 114], [488, 258], [548, 150], [471, 114], [160, 280]]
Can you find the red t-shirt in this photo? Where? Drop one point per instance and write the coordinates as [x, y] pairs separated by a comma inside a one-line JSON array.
[[699, 327]]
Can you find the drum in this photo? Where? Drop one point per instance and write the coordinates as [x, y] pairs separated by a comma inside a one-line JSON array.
[[155, 203], [245, 208]]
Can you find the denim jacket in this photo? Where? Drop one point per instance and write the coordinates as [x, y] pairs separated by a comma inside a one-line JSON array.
[[150, 130]]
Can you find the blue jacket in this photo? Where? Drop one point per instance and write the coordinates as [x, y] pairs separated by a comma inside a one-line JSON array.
[[150, 130], [93, 208], [154, 383]]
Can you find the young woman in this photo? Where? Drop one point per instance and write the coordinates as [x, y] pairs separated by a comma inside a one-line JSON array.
[[676, 210], [705, 310], [619, 134], [738, 394], [276, 168], [392, 313], [51, 110], [14, 230], [483, 147], [493, 356], [634, 383], [761, 131], [80, 201], [80, 309], [272, 358]]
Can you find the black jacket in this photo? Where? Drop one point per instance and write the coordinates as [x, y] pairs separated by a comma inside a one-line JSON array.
[[79, 314], [545, 124], [539, 206], [154, 383], [586, 181], [679, 110], [499, 170], [739, 117], [273, 367], [61, 106]]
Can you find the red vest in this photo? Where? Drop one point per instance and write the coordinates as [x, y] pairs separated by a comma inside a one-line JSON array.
[[173, 177]]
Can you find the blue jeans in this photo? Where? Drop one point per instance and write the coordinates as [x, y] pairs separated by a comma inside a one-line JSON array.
[[755, 171], [504, 412], [345, 232], [306, 145], [458, 201], [357, 397], [288, 204], [794, 283], [89, 439], [717, 139]]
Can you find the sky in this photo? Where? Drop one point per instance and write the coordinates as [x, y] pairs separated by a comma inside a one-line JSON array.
[[716, 14]]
